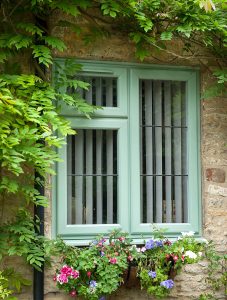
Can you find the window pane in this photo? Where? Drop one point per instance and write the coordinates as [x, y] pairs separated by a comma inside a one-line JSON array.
[[164, 179], [102, 91], [92, 177]]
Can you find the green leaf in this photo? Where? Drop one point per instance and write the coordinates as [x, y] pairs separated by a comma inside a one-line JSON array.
[[30, 27], [19, 41], [69, 8], [43, 54], [166, 36], [55, 42]]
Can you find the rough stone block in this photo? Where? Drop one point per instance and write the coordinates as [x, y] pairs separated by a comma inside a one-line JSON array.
[[215, 175]]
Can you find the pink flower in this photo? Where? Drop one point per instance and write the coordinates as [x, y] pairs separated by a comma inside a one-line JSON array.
[[75, 274], [175, 257], [121, 239], [113, 260], [55, 278], [72, 293], [130, 258], [66, 270], [62, 278], [143, 249]]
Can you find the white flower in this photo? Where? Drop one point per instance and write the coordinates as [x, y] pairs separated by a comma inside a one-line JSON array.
[[200, 253], [191, 254], [189, 233]]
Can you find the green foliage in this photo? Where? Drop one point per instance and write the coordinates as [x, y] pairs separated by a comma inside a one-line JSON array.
[[217, 272], [4, 287], [100, 266], [65, 79], [99, 269], [160, 260], [10, 281], [19, 237]]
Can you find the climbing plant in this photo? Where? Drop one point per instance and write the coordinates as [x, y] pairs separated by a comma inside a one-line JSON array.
[[31, 126]]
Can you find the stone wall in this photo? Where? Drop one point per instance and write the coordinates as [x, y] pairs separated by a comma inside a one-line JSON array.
[[191, 282]]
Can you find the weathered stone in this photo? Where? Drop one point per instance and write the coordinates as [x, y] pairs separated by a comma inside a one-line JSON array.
[[215, 175], [217, 190]]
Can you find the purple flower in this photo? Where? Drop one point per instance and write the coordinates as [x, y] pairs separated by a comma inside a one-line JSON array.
[[93, 284], [159, 243], [102, 253], [150, 244], [152, 274], [168, 284]]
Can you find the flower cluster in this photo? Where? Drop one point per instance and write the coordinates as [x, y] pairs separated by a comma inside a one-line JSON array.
[[168, 284], [66, 272], [151, 244], [160, 259], [86, 270]]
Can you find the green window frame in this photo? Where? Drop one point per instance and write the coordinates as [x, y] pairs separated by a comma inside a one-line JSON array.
[[126, 119]]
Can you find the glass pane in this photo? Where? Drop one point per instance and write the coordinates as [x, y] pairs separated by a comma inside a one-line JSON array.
[[102, 91], [92, 177], [163, 129]]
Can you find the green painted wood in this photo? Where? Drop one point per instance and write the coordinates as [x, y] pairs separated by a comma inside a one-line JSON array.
[[194, 209], [80, 231], [125, 118]]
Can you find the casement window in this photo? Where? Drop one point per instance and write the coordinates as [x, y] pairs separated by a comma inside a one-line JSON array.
[[136, 162]]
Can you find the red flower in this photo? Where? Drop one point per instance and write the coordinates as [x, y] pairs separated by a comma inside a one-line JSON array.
[[175, 258], [113, 260], [72, 293], [167, 242], [89, 274], [130, 258]]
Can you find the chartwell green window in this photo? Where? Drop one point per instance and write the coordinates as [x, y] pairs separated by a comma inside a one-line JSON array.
[[136, 162]]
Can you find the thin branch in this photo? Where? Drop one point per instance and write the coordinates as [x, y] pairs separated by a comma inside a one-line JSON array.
[[92, 17], [40, 71], [12, 11]]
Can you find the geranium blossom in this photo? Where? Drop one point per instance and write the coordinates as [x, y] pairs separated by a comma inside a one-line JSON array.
[[75, 274], [62, 278], [113, 260], [66, 270]]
